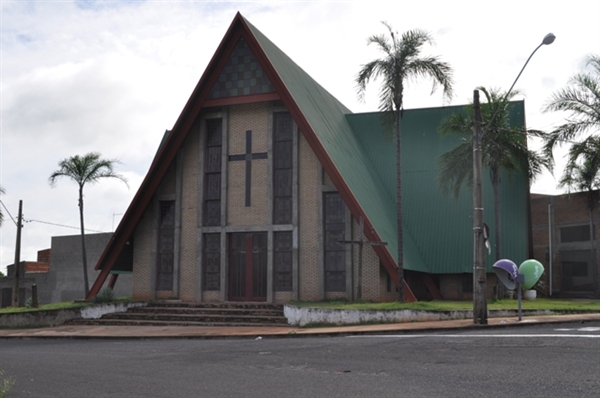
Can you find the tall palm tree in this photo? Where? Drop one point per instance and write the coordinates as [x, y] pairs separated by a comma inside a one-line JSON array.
[[503, 148], [582, 173], [581, 99], [89, 168], [401, 62]]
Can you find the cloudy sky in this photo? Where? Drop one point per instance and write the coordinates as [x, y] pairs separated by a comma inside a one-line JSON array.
[[111, 76]]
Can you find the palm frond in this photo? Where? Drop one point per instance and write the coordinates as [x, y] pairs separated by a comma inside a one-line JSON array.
[[456, 169], [581, 100]]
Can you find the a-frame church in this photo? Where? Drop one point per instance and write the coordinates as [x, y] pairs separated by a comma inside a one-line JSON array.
[[265, 173]]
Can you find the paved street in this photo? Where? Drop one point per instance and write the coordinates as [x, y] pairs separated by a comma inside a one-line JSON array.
[[553, 360]]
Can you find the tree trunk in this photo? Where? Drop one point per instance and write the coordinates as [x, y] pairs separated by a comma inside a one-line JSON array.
[[83, 252], [497, 234], [592, 239], [497, 237], [399, 206]]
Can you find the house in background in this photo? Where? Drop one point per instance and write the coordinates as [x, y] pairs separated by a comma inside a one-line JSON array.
[[30, 272], [562, 241], [58, 272], [265, 173]]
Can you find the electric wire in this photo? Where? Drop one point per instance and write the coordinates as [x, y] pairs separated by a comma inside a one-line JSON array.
[[62, 225], [8, 212]]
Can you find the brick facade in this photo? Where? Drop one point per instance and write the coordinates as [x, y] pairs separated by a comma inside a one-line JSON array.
[[184, 184], [568, 261]]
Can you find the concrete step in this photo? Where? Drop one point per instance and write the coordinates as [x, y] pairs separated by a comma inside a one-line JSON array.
[[124, 322], [177, 313], [234, 305], [197, 317], [212, 311]]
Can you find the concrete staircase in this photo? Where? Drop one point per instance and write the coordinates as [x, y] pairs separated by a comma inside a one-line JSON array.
[[176, 313]]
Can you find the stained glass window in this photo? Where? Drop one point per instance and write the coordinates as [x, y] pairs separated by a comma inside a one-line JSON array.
[[335, 252], [212, 172], [283, 167]]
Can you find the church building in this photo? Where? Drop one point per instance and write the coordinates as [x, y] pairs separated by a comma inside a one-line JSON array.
[[268, 189]]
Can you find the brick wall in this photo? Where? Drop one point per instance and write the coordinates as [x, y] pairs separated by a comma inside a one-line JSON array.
[[565, 211], [242, 118], [189, 215], [142, 258], [451, 286], [309, 222], [371, 278], [43, 256]]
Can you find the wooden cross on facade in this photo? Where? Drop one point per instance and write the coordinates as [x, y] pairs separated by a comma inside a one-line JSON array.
[[361, 242], [248, 157]]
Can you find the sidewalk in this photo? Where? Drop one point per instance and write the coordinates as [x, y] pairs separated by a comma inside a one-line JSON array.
[[191, 332]]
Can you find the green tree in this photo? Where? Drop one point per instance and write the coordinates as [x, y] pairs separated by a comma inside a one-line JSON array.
[[401, 63], [582, 174], [504, 147], [581, 100], [86, 169]]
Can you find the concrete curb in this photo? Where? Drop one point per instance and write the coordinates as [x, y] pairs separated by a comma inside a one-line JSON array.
[[258, 333], [302, 316]]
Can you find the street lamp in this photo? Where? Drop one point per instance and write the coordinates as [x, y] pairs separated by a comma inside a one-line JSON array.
[[479, 274]]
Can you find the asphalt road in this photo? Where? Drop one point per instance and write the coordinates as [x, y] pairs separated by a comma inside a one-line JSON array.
[[560, 360]]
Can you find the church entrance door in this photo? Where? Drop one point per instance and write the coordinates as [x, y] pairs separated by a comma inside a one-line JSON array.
[[248, 266]]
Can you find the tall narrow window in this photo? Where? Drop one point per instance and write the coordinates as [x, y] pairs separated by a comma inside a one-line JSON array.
[[212, 172], [282, 261], [335, 252], [283, 165], [166, 245], [212, 262]]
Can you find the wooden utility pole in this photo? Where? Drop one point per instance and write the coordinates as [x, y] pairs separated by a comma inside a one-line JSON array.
[[15, 297], [361, 242], [479, 275]]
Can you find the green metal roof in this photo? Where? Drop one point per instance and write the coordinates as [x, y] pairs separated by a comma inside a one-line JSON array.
[[437, 229]]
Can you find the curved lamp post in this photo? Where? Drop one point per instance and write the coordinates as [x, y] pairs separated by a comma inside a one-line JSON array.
[[479, 274]]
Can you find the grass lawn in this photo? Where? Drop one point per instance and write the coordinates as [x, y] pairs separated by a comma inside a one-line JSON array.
[[537, 304], [56, 306]]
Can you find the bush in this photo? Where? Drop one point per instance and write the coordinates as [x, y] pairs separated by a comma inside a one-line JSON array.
[[104, 296]]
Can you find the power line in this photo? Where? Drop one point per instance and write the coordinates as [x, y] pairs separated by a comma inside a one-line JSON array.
[[62, 225], [10, 215]]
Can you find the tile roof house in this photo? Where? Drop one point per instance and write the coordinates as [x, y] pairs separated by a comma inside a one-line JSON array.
[[265, 172]]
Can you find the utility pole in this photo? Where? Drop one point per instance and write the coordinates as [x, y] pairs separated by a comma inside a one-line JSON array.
[[15, 297], [479, 275], [479, 289]]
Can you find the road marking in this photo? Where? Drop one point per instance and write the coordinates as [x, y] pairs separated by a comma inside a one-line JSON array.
[[587, 329], [403, 336]]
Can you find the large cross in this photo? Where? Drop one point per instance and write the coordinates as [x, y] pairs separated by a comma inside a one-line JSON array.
[[248, 157], [361, 242]]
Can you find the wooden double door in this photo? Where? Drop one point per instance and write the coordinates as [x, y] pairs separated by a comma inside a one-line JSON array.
[[248, 266]]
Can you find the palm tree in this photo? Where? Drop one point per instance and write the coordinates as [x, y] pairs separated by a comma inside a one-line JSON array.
[[89, 168], [582, 173], [503, 148], [581, 99], [401, 62]]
